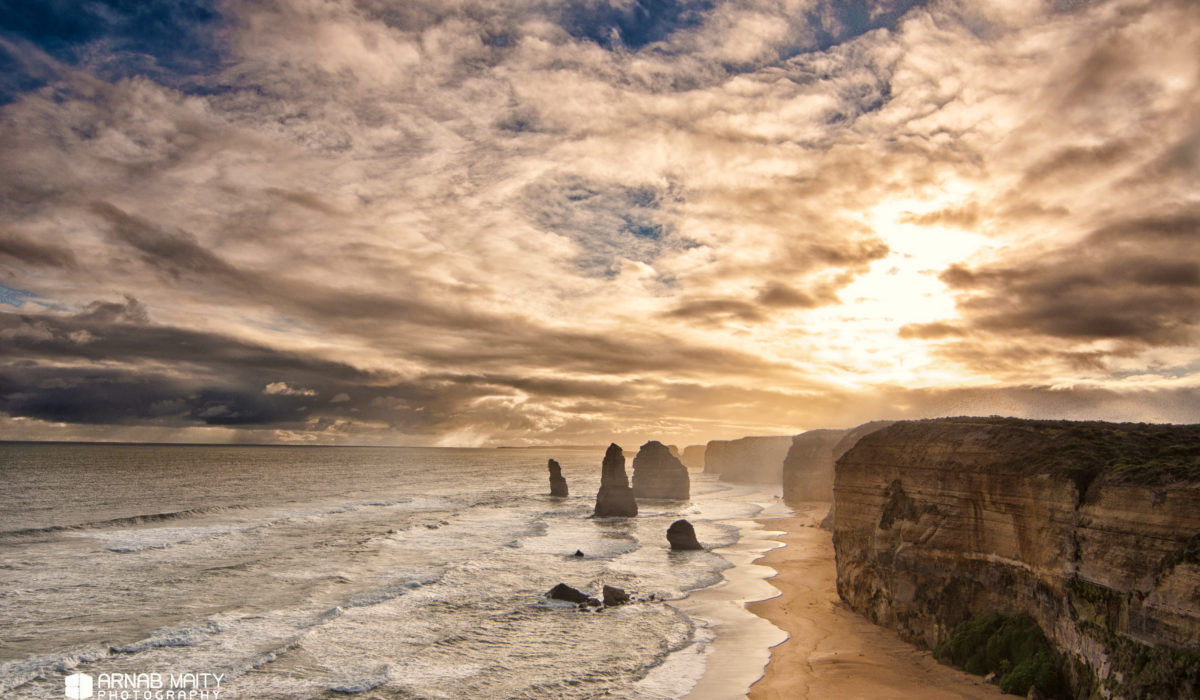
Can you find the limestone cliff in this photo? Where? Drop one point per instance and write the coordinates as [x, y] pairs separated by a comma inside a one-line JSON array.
[[693, 457], [659, 474], [1092, 529], [615, 498], [808, 466], [748, 460]]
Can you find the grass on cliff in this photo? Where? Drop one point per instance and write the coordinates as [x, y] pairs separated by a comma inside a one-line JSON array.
[[1140, 453], [1014, 648]]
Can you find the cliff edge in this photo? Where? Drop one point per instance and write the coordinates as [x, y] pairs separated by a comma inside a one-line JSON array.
[[1092, 529], [755, 459]]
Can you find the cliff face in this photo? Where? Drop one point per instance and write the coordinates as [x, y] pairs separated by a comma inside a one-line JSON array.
[[658, 474], [808, 467], [748, 460], [693, 457], [1092, 529], [615, 498]]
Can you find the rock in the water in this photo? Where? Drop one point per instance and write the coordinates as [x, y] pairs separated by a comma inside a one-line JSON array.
[[615, 498], [614, 596], [693, 457], [564, 592], [578, 553], [682, 535], [558, 485], [659, 474]]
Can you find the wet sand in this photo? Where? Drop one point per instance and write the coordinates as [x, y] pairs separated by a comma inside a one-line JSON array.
[[832, 652]]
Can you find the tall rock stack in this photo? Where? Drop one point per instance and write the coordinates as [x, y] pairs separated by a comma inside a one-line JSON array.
[[659, 474], [558, 485], [615, 498]]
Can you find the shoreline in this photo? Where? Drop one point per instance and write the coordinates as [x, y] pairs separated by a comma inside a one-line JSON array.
[[830, 650]]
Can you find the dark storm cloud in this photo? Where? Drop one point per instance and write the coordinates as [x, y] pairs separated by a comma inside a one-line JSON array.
[[1136, 280], [27, 251], [174, 253]]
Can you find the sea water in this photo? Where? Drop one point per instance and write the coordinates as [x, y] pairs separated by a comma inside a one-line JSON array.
[[298, 572]]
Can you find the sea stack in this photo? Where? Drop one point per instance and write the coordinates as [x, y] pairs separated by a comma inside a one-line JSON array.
[[682, 535], [615, 498], [659, 474], [558, 485]]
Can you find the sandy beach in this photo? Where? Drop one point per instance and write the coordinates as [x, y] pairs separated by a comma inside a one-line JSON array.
[[831, 652]]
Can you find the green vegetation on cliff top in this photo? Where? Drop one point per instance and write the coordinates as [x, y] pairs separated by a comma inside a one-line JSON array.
[[1139, 453]]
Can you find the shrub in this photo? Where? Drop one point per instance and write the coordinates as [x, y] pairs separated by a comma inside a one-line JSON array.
[[1014, 648]]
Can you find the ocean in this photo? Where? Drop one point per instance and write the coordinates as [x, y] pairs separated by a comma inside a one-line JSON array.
[[314, 572]]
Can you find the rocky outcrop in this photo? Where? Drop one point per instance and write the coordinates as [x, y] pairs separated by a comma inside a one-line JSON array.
[[564, 592], [658, 474], [613, 596], [558, 485], [682, 536], [1092, 529], [674, 450], [757, 460], [808, 466], [615, 498], [693, 457]]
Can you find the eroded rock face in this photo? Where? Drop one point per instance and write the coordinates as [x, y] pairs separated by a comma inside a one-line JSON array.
[[939, 521], [658, 474], [808, 466], [682, 536], [757, 460], [693, 457], [615, 498], [558, 485]]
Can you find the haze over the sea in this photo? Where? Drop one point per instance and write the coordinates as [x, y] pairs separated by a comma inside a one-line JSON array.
[[450, 222]]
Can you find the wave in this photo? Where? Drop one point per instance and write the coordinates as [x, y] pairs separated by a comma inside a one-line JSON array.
[[147, 518], [184, 636], [369, 681], [14, 674], [126, 521]]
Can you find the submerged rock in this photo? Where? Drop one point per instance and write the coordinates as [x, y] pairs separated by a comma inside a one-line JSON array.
[[558, 485], [659, 474], [564, 592], [614, 596], [615, 498], [682, 535]]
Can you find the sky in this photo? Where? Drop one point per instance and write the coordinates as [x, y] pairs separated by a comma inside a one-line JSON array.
[[514, 222]]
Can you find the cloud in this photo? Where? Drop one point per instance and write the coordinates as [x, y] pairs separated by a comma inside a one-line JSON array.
[[282, 389], [507, 222]]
